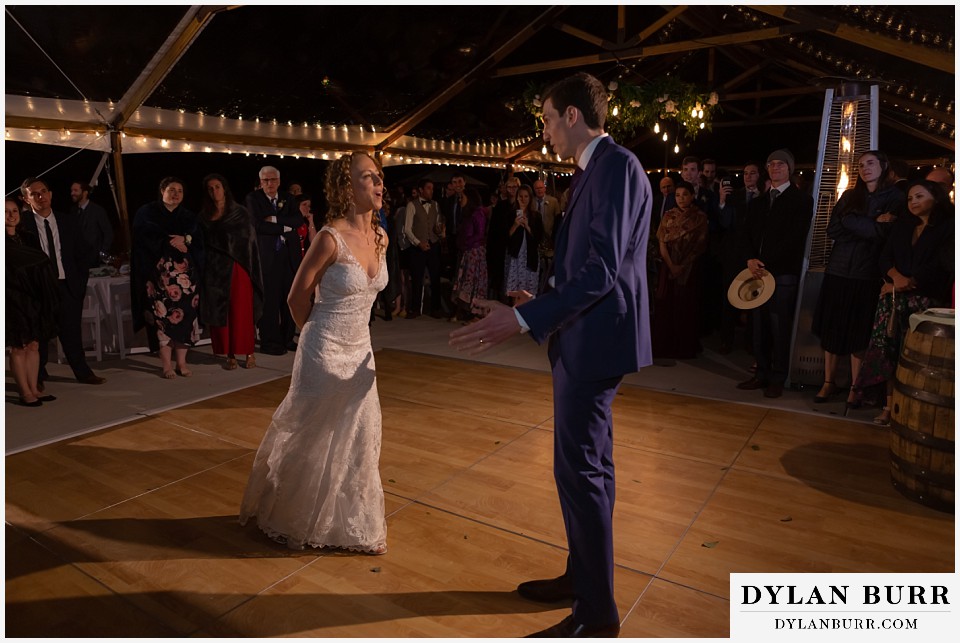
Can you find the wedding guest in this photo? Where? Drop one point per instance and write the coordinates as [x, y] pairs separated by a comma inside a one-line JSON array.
[[858, 226], [917, 262], [522, 268], [471, 281], [167, 255], [32, 303], [232, 300], [682, 236]]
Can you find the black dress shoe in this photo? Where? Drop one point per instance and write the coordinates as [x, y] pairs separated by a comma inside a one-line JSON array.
[[773, 390], [91, 379], [568, 629], [752, 384], [35, 403], [46, 398], [552, 590]]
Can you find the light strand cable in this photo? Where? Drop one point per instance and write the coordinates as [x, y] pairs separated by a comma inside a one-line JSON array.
[[43, 51]]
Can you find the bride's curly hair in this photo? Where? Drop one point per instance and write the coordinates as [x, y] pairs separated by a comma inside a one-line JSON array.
[[339, 192]]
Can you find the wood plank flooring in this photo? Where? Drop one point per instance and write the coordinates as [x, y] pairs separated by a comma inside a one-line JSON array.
[[132, 531]]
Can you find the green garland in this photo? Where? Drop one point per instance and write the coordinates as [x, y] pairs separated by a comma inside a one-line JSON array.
[[632, 108]]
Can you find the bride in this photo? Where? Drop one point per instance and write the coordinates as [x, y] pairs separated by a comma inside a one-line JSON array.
[[315, 478]]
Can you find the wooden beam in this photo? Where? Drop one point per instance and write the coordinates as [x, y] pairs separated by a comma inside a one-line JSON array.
[[928, 56], [756, 121], [736, 110], [743, 77], [772, 93], [656, 26], [945, 143], [179, 40], [711, 65], [621, 24], [653, 50], [27, 122], [523, 150], [225, 138], [116, 145], [915, 107], [783, 105], [439, 99], [583, 35]]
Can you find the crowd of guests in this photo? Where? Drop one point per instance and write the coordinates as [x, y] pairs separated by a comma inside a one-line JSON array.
[[229, 267]]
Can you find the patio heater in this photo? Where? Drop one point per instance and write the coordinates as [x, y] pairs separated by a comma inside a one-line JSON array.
[[847, 130]]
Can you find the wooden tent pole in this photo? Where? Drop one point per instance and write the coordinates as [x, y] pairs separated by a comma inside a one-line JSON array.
[[116, 147]]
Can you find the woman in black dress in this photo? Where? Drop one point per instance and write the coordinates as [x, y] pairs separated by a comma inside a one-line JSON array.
[[167, 252], [858, 227], [32, 301]]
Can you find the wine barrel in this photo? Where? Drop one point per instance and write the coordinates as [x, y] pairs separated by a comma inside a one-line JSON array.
[[922, 445]]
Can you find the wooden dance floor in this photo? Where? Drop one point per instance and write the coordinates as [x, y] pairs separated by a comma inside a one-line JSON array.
[[131, 531]]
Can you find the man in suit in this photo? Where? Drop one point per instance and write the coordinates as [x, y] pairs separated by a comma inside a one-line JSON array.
[[736, 202], [596, 319], [422, 226], [451, 210], [774, 241], [549, 209], [498, 232], [61, 240], [277, 218], [94, 223]]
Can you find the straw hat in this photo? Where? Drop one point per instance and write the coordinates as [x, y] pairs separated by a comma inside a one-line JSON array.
[[747, 292]]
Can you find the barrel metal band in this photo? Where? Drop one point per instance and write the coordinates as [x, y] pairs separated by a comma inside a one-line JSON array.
[[924, 396], [923, 498], [939, 444], [915, 361], [941, 479]]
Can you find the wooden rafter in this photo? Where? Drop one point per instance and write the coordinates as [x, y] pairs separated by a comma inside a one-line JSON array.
[[445, 95], [915, 53], [773, 93], [656, 26], [759, 120], [941, 141], [653, 50], [597, 41], [918, 108]]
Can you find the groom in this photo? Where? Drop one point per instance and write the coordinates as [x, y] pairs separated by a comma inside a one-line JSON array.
[[596, 320]]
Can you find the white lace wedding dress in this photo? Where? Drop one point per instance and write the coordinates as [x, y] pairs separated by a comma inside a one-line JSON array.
[[315, 478]]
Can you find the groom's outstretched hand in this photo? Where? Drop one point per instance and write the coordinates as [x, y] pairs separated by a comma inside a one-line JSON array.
[[498, 325]]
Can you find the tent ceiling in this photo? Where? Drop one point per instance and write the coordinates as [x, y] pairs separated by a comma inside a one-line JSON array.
[[410, 75]]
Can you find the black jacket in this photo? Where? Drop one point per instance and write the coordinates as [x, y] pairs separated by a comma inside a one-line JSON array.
[[229, 240], [857, 237], [929, 262], [777, 234], [75, 254]]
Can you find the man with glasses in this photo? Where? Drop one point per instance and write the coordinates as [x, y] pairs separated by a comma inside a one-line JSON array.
[[277, 218], [774, 240]]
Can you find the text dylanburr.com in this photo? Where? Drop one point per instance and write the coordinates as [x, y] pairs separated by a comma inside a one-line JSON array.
[[844, 607]]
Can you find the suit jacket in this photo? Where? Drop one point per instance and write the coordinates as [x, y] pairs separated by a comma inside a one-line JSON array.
[[551, 214], [597, 316], [777, 234], [259, 207], [95, 228], [75, 254]]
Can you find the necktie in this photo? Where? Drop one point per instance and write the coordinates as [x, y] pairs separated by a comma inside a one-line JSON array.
[[273, 203], [774, 193], [575, 180], [279, 244], [51, 248], [540, 206]]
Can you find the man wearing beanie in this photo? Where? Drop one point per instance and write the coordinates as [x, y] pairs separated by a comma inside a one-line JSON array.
[[774, 241]]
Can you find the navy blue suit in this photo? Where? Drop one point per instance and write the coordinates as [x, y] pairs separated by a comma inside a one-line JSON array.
[[279, 260], [596, 320]]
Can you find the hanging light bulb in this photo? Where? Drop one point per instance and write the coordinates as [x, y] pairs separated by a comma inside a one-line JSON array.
[[616, 110], [543, 150], [701, 125], [664, 137], [700, 113], [676, 149], [693, 112], [656, 128]]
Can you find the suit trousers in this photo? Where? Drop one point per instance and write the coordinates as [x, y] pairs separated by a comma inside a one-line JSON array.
[[773, 329], [276, 325], [429, 261], [71, 335], [584, 473]]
